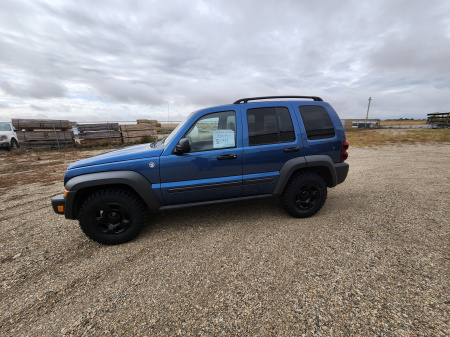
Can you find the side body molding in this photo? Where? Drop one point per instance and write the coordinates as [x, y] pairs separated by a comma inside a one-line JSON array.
[[131, 179], [303, 162]]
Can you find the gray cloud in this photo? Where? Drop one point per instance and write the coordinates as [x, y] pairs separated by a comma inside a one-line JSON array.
[[38, 108], [142, 55], [35, 89]]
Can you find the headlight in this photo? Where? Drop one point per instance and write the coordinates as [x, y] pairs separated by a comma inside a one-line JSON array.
[[3, 137]]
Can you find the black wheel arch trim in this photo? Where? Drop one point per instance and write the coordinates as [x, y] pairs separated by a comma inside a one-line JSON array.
[[338, 171], [132, 179]]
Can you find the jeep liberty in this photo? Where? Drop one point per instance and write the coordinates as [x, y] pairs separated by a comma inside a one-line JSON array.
[[292, 147]]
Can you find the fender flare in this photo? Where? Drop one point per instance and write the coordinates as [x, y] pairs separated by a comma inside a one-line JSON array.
[[132, 179], [295, 164]]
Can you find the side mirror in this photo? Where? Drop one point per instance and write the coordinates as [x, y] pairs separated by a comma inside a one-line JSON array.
[[182, 147]]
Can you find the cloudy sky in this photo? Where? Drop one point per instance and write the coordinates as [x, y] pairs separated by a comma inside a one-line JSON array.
[[121, 60]]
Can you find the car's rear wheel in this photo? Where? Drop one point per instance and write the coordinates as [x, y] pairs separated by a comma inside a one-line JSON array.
[[112, 216], [304, 195]]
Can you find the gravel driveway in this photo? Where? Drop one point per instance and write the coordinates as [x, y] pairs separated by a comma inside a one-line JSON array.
[[373, 262]]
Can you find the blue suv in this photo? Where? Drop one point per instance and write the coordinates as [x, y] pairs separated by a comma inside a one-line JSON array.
[[293, 147]]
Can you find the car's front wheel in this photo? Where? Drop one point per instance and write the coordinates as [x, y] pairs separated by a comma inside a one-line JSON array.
[[112, 216], [304, 195], [14, 144]]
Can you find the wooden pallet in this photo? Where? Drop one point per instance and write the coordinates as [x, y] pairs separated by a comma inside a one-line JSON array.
[[131, 134], [149, 121], [137, 127], [32, 144], [82, 128], [135, 140], [39, 124], [99, 142], [45, 139], [100, 135], [45, 136]]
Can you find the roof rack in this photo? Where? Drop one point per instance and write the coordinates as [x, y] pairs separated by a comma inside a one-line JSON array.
[[245, 100]]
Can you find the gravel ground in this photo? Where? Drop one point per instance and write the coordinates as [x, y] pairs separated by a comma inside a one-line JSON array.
[[373, 262]]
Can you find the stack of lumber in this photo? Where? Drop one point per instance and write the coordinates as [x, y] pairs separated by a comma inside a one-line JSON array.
[[44, 133], [138, 133], [167, 128], [154, 123], [99, 134], [40, 124]]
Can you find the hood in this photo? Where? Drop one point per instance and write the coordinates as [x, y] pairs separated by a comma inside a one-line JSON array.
[[128, 153]]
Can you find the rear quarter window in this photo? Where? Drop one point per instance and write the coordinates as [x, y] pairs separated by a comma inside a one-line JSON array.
[[317, 122]]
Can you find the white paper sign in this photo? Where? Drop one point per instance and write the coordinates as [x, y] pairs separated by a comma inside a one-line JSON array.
[[223, 138]]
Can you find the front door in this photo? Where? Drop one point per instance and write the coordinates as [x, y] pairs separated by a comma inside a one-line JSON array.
[[212, 169]]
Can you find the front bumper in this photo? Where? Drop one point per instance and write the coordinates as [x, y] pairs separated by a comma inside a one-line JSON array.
[[59, 203], [5, 144]]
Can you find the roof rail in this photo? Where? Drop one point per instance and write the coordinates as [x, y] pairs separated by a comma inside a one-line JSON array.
[[245, 100]]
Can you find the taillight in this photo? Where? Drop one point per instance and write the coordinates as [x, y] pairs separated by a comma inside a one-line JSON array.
[[344, 153]]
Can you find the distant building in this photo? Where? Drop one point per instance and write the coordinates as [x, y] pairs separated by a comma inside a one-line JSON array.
[[439, 119], [360, 123]]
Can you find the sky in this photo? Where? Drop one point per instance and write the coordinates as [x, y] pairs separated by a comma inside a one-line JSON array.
[[124, 60]]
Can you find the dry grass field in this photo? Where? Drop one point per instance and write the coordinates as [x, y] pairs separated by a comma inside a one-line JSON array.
[[404, 122], [373, 262], [376, 137]]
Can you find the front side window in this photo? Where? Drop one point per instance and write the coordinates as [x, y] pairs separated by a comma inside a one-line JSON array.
[[317, 122], [213, 131], [269, 126]]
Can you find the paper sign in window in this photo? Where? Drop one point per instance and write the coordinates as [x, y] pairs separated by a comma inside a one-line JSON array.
[[223, 138]]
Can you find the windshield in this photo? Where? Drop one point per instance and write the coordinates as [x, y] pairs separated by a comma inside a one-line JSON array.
[[175, 131], [5, 127]]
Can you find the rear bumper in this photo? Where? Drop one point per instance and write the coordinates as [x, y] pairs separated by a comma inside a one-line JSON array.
[[58, 204], [341, 172]]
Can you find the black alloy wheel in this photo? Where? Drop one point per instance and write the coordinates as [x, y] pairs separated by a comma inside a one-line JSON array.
[[112, 219], [307, 196], [112, 216], [304, 195]]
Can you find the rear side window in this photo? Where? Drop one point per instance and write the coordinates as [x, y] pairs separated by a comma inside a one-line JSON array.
[[317, 122], [269, 126]]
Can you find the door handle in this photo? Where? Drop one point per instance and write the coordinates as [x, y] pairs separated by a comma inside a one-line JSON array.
[[227, 157], [291, 149]]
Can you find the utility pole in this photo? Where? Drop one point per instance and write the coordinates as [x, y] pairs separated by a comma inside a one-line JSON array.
[[168, 113], [367, 116]]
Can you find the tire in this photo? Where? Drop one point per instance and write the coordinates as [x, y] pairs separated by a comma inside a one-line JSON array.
[[304, 195], [112, 216], [14, 144]]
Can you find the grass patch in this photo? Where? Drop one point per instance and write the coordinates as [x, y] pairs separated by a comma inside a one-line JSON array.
[[404, 122], [358, 137]]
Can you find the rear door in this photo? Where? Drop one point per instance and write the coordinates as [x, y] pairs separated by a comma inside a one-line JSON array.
[[212, 170], [270, 139]]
